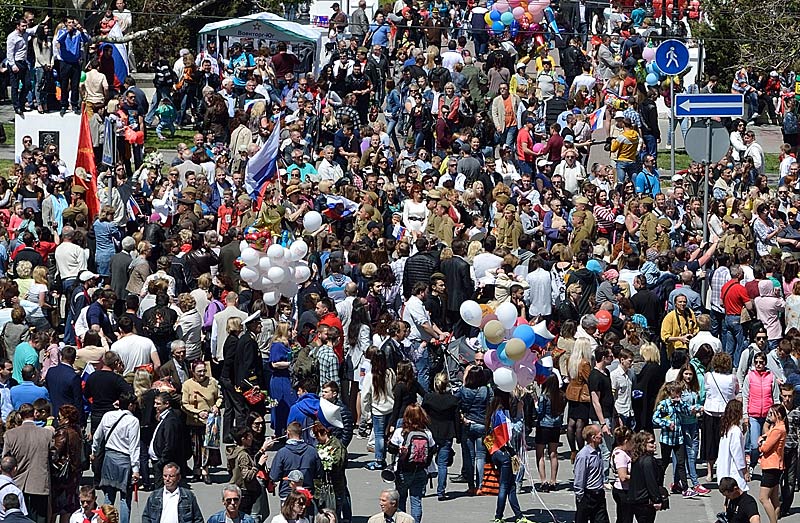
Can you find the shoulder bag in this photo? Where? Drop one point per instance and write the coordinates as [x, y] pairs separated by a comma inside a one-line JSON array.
[[97, 464]]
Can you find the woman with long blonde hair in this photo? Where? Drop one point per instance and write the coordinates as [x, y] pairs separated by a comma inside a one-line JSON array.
[[280, 384], [578, 368], [648, 381]]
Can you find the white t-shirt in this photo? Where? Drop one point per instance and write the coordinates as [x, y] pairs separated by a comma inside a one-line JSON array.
[[584, 80], [416, 315], [134, 351], [450, 59]]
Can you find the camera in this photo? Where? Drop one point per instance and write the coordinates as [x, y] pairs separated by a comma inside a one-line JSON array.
[[722, 518]]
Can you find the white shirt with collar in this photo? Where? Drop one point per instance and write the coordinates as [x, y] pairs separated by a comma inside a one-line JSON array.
[[152, 451], [169, 506]]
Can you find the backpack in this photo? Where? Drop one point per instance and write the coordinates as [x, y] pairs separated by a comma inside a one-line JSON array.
[[416, 452], [303, 366], [157, 324]]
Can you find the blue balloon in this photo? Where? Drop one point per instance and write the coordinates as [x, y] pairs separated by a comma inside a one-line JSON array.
[[507, 17], [649, 67], [495, 16], [498, 27], [652, 79], [526, 334], [656, 69], [501, 355]]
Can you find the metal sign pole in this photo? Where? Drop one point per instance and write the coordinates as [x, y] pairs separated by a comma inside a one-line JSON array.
[[706, 190], [672, 125]]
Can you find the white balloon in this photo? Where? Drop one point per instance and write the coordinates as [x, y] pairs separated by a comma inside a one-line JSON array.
[[288, 288], [248, 274], [266, 283], [271, 298], [470, 311], [289, 257], [302, 273], [275, 252], [505, 379], [312, 221], [299, 249], [250, 257], [257, 286], [264, 264], [243, 245], [507, 314], [276, 274]]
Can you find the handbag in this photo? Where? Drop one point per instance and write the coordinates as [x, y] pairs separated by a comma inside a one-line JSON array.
[[211, 440], [664, 493], [326, 497], [253, 396]]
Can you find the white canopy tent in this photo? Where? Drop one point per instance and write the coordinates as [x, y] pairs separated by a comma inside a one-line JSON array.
[[267, 28]]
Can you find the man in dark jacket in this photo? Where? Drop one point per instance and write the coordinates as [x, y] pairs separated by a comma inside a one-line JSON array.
[[11, 507], [650, 130], [168, 439], [330, 392], [64, 383], [572, 60], [295, 455], [188, 511], [420, 266], [460, 287]]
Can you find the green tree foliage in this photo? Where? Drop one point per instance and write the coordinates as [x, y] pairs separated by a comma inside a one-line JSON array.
[[764, 34]]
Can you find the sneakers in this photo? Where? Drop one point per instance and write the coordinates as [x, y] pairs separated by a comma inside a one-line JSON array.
[[497, 520], [374, 465], [700, 490], [458, 479], [689, 493], [523, 519], [675, 488]]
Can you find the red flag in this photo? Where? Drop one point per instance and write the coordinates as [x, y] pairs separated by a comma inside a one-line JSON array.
[[85, 159]]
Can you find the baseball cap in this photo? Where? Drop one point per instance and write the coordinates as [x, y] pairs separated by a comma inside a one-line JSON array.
[[543, 161], [87, 275], [619, 114], [294, 475], [677, 177]]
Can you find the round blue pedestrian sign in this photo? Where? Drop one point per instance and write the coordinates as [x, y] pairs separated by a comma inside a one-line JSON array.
[[672, 57]]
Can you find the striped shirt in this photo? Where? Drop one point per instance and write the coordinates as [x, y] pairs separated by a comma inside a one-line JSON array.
[[793, 429], [720, 277]]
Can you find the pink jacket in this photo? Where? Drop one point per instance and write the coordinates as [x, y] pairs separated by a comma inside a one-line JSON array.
[[758, 394]]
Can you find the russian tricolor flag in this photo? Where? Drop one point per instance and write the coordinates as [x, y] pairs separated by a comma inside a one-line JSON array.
[[120, 54], [542, 336], [501, 430], [263, 166], [596, 118]]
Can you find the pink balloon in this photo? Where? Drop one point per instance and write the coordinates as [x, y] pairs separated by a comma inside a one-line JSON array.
[[486, 319], [501, 7], [537, 148], [529, 358], [514, 3], [491, 360], [649, 54], [525, 375], [532, 9], [518, 13]]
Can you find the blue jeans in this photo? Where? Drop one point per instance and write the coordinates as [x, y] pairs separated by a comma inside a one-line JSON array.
[[717, 320], [379, 426], [733, 341], [623, 170], [474, 452], [756, 428], [445, 451], [411, 484], [751, 99], [691, 441], [391, 124], [650, 145], [423, 369], [124, 503], [509, 136], [508, 487], [40, 96], [170, 126]]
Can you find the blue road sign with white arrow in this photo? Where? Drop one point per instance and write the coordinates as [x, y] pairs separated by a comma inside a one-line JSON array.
[[672, 57], [709, 105]]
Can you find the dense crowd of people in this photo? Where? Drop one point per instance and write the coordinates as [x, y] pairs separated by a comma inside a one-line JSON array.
[[448, 165]]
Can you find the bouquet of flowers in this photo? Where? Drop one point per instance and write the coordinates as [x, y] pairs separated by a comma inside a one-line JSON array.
[[326, 456]]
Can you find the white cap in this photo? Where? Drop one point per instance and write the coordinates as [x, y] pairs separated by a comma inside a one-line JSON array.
[[184, 52], [87, 275], [620, 220], [520, 64], [677, 177], [619, 114]]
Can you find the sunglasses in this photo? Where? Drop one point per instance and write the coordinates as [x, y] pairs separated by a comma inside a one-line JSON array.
[[231, 500]]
